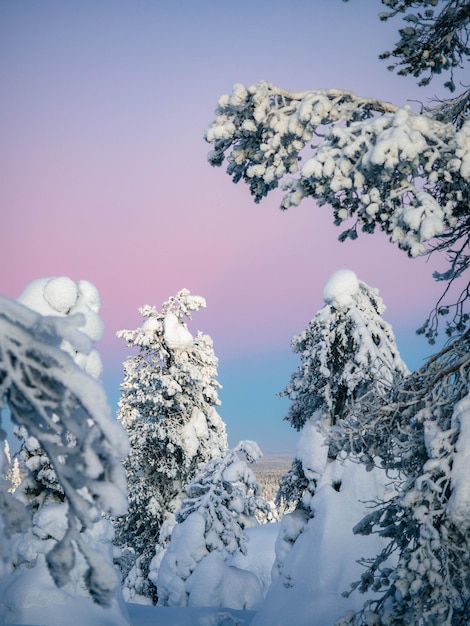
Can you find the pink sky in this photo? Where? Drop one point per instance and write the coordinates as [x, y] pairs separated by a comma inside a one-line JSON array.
[[103, 176]]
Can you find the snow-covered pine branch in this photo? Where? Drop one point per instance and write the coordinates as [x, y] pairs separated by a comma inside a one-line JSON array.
[[433, 40], [66, 412], [377, 165]]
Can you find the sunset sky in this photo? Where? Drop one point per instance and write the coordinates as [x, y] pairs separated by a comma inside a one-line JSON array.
[[103, 176]]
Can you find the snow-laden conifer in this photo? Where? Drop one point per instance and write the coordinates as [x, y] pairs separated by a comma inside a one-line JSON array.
[[65, 413], [221, 501], [12, 471], [347, 352], [168, 407]]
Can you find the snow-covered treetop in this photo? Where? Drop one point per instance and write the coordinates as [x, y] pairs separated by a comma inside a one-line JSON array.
[[170, 321], [347, 350], [341, 289], [67, 412], [62, 296]]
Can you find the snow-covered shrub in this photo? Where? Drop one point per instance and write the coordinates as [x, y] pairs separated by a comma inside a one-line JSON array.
[[221, 502], [168, 408], [64, 413]]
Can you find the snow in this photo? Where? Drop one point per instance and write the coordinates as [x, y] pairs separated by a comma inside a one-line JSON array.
[[30, 595], [61, 294], [195, 616], [322, 563], [463, 150], [75, 614], [194, 431], [311, 450], [177, 336], [260, 553], [459, 502], [340, 289], [214, 583]]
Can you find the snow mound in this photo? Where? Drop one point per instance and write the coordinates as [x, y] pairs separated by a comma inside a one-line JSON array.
[[340, 289], [214, 583]]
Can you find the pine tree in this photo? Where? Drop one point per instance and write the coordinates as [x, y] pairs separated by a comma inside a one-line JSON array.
[[168, 408], [379, 166]]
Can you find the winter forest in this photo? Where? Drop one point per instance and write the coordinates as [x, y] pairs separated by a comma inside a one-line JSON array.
[[148, 516]]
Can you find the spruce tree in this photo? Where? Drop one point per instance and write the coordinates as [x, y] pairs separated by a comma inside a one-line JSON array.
[[347, 354], [221, 501], [168, 408]]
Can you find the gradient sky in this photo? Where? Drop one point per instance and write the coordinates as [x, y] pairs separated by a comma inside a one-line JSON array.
[[103, 176]]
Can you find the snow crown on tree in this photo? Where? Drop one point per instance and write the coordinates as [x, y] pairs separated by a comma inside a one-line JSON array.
[[62, 296], [346, 350]]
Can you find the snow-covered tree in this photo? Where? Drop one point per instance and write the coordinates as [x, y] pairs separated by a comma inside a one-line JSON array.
[[168, 408], [221, 501], [425, 436], [65, 411], [59, 296], [379, 165], [12, 472], [347, 352]]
